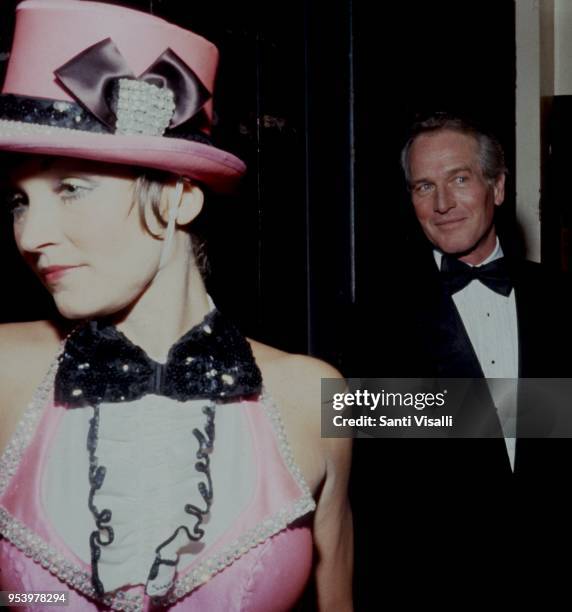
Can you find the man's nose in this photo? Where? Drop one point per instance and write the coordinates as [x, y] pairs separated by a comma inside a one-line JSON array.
[[36, 228], [444, 200]]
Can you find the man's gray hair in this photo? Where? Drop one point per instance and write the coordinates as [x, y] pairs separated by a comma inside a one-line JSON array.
[[491, 154]]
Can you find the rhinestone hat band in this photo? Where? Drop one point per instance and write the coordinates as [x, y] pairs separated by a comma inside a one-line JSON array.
[[21, 115], [143, 108]]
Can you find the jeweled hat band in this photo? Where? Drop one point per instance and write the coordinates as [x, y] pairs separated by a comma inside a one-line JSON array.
[[35, 114], [168, 96]]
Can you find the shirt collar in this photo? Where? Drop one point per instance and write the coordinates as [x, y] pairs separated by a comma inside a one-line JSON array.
[[496, 254]]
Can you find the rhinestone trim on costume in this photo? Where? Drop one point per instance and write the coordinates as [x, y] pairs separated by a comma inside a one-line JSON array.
[[22, 436], [34, 547], [273, 412]]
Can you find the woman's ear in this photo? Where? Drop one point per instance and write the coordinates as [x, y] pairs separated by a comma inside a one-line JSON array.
[[192, 201], [186, 197]]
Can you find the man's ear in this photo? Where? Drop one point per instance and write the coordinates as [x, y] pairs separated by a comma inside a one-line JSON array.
[[498, 189]]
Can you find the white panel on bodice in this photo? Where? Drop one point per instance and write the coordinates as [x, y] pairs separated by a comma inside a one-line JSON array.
[[149, 451]]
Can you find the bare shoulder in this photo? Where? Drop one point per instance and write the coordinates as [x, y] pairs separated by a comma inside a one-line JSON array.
[[280, 368], [27, 343], [294, 383], [26, 351], [33, 331]]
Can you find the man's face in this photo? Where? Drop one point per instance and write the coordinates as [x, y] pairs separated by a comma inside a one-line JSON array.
[[453, 201]]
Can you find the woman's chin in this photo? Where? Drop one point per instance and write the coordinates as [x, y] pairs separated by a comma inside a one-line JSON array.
[[83, 309], [73, 313], [76, 309]]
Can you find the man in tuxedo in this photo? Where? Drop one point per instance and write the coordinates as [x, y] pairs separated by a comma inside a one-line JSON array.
[[484, 313], [462, 307]]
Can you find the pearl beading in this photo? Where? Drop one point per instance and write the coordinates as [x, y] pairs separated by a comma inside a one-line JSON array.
[[8, 128], [22, 436]]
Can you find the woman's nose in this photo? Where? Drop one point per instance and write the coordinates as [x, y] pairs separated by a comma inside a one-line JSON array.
[[36, 227]]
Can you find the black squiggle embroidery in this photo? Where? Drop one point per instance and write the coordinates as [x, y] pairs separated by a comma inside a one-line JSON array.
[[205, 489], [96, 478]]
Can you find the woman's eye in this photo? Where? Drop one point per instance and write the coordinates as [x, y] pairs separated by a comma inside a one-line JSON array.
[[72, 189], [16, 203]]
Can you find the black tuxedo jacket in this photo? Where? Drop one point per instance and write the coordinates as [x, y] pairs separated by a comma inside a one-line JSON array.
[[415, 331], [433, 324], [453, 495]]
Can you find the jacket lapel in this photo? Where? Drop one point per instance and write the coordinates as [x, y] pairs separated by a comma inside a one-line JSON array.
[[442, 329]]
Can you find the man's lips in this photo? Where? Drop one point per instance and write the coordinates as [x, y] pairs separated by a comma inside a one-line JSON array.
[[448, 222]]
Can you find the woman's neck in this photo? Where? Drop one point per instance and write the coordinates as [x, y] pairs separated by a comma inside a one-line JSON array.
[[174, 301]]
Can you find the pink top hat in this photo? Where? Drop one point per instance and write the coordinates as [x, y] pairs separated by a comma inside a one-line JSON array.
[[102, 82]]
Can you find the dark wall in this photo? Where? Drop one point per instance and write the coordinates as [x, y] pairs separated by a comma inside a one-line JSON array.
[[315, 97], [418, 57], [555, 205]]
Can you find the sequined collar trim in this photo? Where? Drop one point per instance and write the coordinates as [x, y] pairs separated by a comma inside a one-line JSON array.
[[41, 552], [101, 365]]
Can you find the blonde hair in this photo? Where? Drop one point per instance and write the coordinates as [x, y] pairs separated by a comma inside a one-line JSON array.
[[148, 194]]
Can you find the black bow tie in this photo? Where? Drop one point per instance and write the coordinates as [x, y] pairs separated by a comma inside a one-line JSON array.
[[457, 275], [99, 364]]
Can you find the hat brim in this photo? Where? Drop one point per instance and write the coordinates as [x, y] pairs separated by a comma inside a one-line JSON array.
[[214, 167]]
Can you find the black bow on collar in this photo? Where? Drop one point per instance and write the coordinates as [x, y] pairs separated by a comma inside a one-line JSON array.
[[457, 275], [99, 364]]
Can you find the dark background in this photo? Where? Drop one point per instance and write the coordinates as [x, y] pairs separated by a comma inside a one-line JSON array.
[[315, 97]]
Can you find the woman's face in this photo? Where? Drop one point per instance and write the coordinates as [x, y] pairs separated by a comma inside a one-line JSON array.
[[76, 225]]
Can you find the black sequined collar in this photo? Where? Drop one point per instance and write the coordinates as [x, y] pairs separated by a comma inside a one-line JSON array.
[[212, 360]]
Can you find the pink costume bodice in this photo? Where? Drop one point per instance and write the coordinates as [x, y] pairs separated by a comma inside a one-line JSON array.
[[259, 563]]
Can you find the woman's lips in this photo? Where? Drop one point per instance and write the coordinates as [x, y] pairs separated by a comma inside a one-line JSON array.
[[52, 274]]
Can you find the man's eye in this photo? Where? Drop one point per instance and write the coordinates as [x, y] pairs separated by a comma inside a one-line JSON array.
[[461, 179], [423, 188]]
